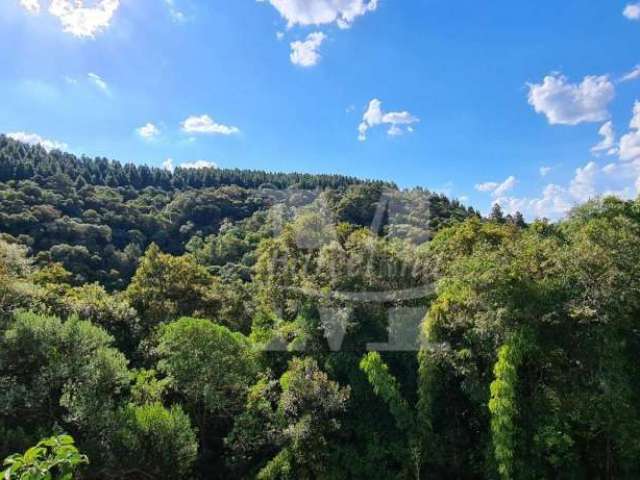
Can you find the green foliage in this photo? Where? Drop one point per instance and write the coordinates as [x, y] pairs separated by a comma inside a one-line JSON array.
[[155, 441], [96, 215], [307, 411], [525, 365], [210, 365], [54, 458], [386, 386], [56, 373], [503, 406], [165, 287]]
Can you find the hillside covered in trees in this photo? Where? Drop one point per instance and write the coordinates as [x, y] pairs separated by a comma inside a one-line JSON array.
[[226, 324]]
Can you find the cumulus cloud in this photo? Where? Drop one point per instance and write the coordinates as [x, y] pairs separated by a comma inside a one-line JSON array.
[[583, 187], [544, 171], [632, 11], [198, 164], [497, 189], [320, 12], [398, 122], [148, 131], [607, 144], [632, 75], [565, 103], [589, 181], [204, 124], [35, 139], [552, 203], [630, 143], [168, 164], [32, 6], [305, 53], [82, 21], [99, 82]]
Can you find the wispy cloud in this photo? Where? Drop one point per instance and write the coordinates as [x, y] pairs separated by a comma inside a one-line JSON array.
[[545, 170], [497, 189], [99, 82], [632, 75], [175, 13]]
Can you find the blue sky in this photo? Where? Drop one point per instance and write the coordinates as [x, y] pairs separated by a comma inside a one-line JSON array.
[[485, 101]]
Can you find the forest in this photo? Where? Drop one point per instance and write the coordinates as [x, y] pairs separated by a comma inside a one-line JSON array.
[[229, 324]]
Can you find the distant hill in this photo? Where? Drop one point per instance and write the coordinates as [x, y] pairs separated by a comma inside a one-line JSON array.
[[96, 216]]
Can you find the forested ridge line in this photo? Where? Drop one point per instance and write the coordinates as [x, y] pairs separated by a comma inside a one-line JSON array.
[[97, 216]]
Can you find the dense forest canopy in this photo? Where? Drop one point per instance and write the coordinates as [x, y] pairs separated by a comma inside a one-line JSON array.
[[97, 216], [221, 324]]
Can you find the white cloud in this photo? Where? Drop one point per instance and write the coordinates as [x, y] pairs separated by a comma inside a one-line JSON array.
[[305, 53], [505, 186], [544, 171], [176, 15], [583, 187], [632, 11], [486, 186], [608, 142], [630, 146], [552, 204], [320, 12], [204, 124], [82, 21], [632, 75], [630, 143], [565, 103], [198, 164], [32, 6], [279, 35], [148, 131], [399, 122], [621, 180], [635, 121], [497, 189], [35, 139], [168, 165], [99, 82]]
